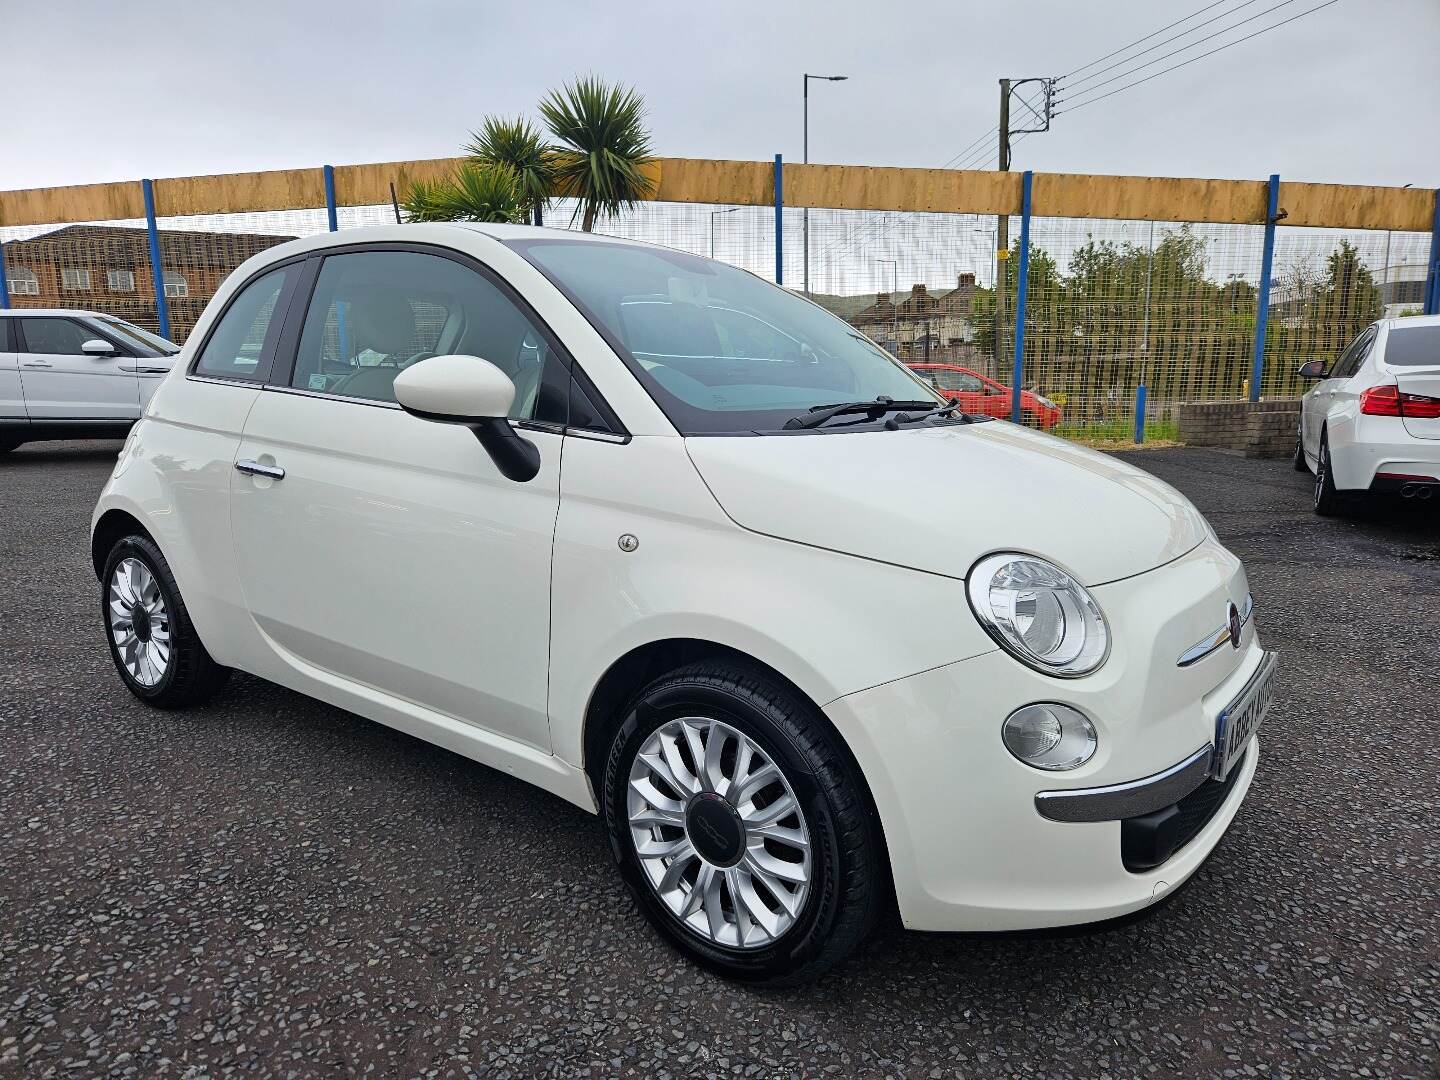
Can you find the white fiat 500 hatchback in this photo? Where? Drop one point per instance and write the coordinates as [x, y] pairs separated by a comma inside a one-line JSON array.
[[663, 539]]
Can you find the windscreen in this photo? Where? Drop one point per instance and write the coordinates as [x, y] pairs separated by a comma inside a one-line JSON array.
[[154, 343], [1413, 346], [720, 350]]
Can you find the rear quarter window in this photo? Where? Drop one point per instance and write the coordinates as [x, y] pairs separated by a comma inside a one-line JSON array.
[[1413, 346]]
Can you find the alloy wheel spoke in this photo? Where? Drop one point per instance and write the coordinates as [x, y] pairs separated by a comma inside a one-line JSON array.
[[696, 896], [656, 815], [714, 905], [714, 773], [766, 866], [734, 886], [664, 849], [661, 768], [655, 800], [670, 747], [783, 834], [676, 870], [692, 731], [778, 810], [764, 775]]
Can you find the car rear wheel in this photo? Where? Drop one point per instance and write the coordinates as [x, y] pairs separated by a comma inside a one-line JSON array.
[[152, 641], [741, 827], [1328, 501]]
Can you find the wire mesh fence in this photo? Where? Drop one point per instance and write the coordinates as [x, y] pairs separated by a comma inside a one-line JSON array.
[[1110, 305]]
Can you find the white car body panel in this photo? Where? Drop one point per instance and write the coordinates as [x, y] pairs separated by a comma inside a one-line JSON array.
[[880, 499], [77, 386], [394, 573], [434, 569], [1363, 447]]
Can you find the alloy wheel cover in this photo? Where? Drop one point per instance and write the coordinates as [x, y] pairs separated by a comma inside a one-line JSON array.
[[719, 833]]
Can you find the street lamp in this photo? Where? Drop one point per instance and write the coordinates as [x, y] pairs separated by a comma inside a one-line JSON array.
[[713, 215], [805, 214]]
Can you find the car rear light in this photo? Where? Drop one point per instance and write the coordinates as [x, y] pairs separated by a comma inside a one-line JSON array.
[[1389, 401]]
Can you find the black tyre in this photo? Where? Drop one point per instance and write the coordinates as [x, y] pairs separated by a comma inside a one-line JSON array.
[[152, 641], [1328, 501], [1301, 465], [741, 825]]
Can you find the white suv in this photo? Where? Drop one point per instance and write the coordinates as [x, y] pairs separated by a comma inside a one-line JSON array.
[[661, 538], [1371, 424], [74, 374]]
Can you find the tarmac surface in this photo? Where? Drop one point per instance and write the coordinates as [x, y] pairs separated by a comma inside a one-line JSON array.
[[269, 886]]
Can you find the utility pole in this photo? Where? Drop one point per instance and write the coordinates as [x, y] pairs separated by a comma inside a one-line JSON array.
[[1002, 227], [1041, 117]]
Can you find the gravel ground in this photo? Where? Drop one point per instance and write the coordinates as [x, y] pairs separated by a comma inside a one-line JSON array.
[[271, 886]]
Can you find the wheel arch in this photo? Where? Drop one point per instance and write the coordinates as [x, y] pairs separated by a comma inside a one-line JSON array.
[[112, 525], [630, 673]]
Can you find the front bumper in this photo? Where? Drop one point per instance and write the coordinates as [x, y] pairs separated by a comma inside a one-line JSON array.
[[969, 849]]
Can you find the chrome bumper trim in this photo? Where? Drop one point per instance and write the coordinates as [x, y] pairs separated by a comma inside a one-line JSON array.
[[1210, 642], [1130, 799]]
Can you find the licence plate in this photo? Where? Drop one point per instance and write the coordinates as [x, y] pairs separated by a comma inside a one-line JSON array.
[[1240, 719]]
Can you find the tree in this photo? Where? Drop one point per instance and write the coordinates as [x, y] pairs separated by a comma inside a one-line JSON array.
[[474, 193], [1347, 298], [603, 147], [517, 145]]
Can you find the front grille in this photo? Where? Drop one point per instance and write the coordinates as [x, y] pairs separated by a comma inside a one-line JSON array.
[[1149, 841]]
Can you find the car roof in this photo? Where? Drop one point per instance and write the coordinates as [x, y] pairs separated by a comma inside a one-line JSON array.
[[1412, 320]]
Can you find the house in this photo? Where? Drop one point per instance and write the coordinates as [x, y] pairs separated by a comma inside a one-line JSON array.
[[923, 325], [107, 268]]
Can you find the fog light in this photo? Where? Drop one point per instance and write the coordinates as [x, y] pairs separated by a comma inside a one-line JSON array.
[[1049, 736]]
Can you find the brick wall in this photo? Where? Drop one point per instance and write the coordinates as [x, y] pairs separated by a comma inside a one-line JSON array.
[[1260, 429]]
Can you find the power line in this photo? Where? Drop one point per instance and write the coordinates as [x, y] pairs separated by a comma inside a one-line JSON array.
[[1167, 41], [1202, 56], [1147, 37]]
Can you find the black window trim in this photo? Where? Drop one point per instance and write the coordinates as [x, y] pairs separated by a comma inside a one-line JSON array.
[[83, 321], [272, 331], [282, 367]]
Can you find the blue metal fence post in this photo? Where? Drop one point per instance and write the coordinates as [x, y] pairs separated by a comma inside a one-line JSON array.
[[1262, 299], [162, 310], [1432, 279], [779, 220], [4, 285], [330, 215], [1140, 413], [1017, 377]]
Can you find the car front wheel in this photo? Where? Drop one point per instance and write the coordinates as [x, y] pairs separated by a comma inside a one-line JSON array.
[[152, 641], [741, 827]]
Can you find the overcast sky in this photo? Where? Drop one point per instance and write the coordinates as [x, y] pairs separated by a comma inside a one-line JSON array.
[[113, 91]]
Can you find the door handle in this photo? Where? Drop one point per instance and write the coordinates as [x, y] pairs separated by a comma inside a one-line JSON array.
[[254, 468], [37, 363]]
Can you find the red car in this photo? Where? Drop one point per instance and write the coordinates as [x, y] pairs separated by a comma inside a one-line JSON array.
[[974, 393]]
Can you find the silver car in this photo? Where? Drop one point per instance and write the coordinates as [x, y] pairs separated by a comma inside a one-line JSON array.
[[75, 374]]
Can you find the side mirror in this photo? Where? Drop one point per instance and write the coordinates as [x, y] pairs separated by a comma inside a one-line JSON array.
[[466, 390], [97, 347], [1313, 369]]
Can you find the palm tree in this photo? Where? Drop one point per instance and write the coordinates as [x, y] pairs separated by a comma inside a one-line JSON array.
[[475, 193], [517, 145], [603, 147]]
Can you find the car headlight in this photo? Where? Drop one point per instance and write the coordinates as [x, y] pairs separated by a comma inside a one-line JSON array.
[[1039, 614], [1045, 401], [1050, 736]]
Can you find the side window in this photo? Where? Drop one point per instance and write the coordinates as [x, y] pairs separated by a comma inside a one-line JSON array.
[[237, 344], [1354, 356], [374, 313], [55, 336], [957, 380]]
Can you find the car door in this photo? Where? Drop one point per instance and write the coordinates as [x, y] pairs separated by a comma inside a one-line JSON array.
[[61, 382], [1315, 405], [12, 401], [393, 555]]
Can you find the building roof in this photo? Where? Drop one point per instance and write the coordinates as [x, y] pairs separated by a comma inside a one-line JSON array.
[[119, 247]]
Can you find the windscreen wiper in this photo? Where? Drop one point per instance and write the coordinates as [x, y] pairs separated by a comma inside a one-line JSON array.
[[950, 408], [875, 409]]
